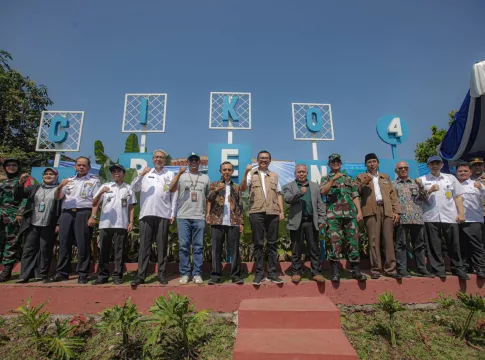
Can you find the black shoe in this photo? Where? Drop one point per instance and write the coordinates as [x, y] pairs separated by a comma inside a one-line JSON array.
[[38, 279], [137, 282], [441, 276], [375, 276], [462, 276], [56, 278], [238, 281], [99, 281], [6, 273], [481, 274], [118, 281], [425, 274], [258, 279], [22, 281], [405, 274], [163, 281], [335, 271], [82, 280], [214, 281], [356, 274], [397, 276], [275, 279]]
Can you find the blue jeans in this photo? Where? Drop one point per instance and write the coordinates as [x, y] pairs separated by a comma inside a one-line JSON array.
[[191, 232]]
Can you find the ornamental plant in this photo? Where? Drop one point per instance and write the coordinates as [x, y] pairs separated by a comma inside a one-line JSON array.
[[388, 304]]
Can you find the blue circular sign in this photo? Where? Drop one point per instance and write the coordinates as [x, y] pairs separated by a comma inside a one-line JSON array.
[[392, 129]]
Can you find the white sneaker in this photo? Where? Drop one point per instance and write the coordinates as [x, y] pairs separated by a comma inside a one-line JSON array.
[[184, 280], [198, 280]]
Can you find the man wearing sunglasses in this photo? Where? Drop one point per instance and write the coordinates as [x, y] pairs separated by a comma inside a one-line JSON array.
[[192, 188], [411, 196]]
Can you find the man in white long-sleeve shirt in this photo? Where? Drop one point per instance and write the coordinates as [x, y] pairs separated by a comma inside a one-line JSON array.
[[156, 214], [471, 246], [443, 211]]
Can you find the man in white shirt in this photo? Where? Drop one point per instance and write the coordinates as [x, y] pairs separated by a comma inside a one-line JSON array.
[[265, 212], [115, 221], [442, 213], [76, 221], [471, 246], [157, 212]]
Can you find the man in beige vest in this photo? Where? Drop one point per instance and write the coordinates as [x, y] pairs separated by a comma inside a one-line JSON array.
[[265, 212]]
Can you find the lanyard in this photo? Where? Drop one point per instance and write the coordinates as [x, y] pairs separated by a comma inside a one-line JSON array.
[[193, 186]]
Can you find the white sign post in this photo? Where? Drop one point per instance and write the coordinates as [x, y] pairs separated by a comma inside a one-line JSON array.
[[312, 122], [144, 113], [59, 131]]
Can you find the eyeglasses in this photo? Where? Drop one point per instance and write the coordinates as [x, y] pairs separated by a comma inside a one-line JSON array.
[[12, 165], [403, 168]]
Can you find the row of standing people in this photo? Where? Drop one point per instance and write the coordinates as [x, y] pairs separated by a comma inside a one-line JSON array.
[[405, 204]]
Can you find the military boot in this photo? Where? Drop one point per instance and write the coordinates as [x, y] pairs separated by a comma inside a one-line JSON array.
[[6, 273], [356, 274], [335, 271]]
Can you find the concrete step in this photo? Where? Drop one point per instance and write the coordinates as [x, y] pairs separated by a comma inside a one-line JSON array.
[[294, 344], [289, 313]]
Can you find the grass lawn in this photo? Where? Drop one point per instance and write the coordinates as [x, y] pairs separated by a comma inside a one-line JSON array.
[[15, 343], [421, 334]]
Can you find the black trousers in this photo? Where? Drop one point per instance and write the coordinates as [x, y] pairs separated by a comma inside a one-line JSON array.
[[418, 241], [153, 228], [307, 230], [471, 245], [219, 233], [37, 253], [108, 237], [451, 234], [261, 224], [74, 230]]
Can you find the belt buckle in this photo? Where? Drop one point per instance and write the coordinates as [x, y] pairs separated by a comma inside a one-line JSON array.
[[74, 210]]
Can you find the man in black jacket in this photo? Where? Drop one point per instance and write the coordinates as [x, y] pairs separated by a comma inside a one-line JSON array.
[[39, 224]]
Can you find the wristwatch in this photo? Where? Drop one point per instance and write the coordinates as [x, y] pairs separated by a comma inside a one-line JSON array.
[[94, 217]]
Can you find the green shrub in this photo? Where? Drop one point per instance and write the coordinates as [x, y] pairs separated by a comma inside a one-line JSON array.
[[388, 304]]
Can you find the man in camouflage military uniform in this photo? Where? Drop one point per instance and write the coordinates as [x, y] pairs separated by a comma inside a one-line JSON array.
[[343, 215], [478, 174], [9, 224]]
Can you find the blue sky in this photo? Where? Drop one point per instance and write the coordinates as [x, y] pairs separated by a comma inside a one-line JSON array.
[[365, 58]]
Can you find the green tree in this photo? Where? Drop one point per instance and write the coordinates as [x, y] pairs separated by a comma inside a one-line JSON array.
[[428, 147], [21, 104]]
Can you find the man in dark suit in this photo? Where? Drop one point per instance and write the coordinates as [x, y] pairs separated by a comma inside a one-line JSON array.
[[307, 215]]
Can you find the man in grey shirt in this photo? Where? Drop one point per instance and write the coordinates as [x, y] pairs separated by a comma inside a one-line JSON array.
[[193, 188]]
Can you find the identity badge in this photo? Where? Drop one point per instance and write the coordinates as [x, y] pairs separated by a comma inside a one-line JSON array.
[[193, 196]]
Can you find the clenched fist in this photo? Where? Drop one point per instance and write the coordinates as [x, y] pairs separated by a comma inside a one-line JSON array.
[[478, 185], [23, 178], [433, 188], [182, 169], [366, 178], [145, 171], [64, 182]]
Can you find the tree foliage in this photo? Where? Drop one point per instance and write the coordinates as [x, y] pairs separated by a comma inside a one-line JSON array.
[[21, 104], [428, 147]]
